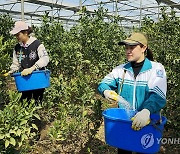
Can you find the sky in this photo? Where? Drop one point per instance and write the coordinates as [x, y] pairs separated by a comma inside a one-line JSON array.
[[130, 9]]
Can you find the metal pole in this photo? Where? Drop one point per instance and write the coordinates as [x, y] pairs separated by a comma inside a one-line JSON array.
[[31, 21], [52, 8], [158, 2], [140, 13], [80, 4], [22, 10], [158, 11], [116, 9]]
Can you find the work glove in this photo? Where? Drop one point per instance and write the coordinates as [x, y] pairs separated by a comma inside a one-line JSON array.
[[8, 73], [141, 119], [28, 71], [111, 95]]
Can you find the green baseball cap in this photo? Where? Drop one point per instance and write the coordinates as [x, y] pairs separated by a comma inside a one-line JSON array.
[[135, 39]]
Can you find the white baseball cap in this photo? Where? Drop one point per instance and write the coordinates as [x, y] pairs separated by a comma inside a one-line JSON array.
[[19, 26]]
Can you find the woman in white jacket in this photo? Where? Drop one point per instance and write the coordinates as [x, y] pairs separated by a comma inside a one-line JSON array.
[[141, 82], [29, 55]]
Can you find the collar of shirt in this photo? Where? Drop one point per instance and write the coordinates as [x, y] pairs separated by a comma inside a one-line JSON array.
[[146, 66], [31, 40]]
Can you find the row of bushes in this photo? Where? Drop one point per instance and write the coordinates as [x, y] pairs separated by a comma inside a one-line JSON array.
[[80, 57]]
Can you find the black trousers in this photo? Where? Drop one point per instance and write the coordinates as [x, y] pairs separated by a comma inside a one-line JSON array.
[[120, 151], [37, 95]]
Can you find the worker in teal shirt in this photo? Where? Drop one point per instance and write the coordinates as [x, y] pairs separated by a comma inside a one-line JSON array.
[[141, 82]]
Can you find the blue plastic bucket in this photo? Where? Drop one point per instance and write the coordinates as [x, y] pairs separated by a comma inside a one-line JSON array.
[[36, 80], [118, 131]]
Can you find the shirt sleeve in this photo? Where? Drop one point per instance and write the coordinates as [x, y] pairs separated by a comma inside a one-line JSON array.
[[110, 82], [43, 57], [157, 90], [15, 64]]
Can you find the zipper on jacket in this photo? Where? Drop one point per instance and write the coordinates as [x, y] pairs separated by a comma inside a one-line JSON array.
[[134, 95]]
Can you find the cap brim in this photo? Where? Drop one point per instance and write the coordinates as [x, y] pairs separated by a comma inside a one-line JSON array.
[[128, 42], [17, 30], [14, 31]]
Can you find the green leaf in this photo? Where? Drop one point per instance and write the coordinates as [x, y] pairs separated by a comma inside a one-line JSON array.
[[23, 122], [12, 132], [85, 113], [1, 136], [56, 63], [17, 97], [34, 126], [18, 132], [15, 128], [8, 135], [26, 113], [24, 137], [28, 130], [12, 141], [20, 144], [6, 143], [37, 116]]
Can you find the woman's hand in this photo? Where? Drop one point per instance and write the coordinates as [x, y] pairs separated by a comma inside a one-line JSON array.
[[141, 119], [111, 95], [28, 71]]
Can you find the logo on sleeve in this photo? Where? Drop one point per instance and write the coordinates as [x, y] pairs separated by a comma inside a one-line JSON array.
[[44, 52], [159, 73]]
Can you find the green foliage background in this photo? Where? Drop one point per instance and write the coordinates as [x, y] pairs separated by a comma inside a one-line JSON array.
[[165, 41], [80, 58]]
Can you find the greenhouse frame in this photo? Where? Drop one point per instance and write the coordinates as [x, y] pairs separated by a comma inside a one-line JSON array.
[[131, 12]]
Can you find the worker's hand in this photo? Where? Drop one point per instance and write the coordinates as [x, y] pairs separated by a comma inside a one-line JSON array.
[[111, 95], [141, 119], [28, 71], [8, 73]]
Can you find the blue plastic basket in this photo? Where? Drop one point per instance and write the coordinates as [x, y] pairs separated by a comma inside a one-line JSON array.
[[118, 131], [36, 80]]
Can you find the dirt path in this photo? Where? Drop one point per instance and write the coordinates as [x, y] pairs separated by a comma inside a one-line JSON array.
[[95, 146], [98, 144]]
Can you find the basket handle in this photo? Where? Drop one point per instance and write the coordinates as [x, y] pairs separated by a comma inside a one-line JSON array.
[[155, 124]]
